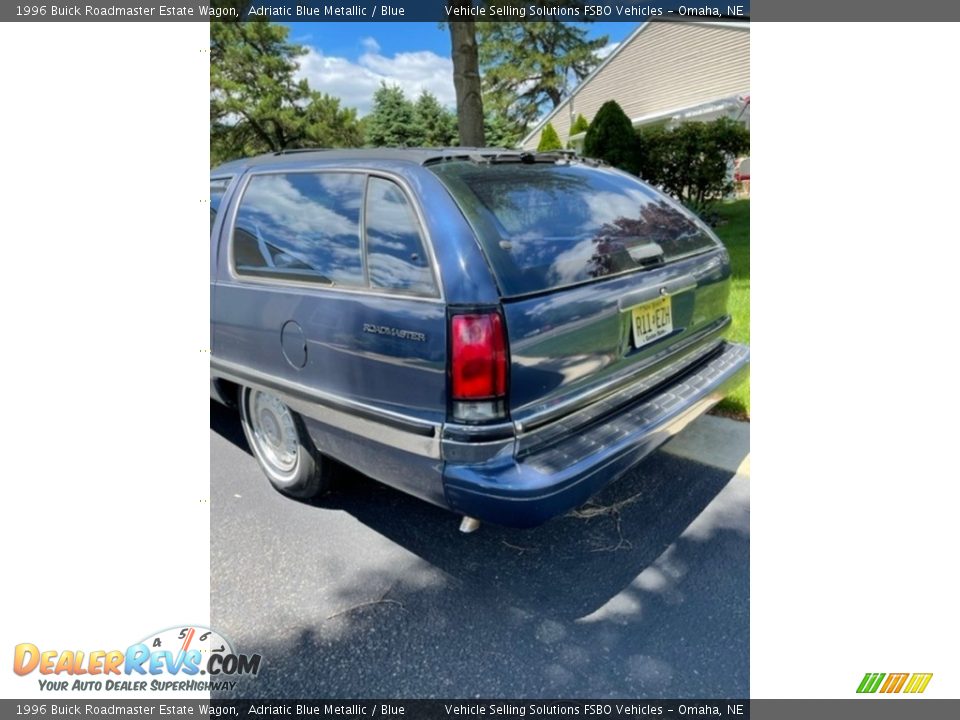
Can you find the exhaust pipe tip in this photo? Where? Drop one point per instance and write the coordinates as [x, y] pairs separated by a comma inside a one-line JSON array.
[[469, 524]]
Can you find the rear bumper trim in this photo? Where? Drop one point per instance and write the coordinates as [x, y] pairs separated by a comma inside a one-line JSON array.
[[526, 490]]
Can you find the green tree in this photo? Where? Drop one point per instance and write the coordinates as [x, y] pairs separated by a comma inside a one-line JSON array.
[[257, 105], [499, 131], [611, 137], [579, 125], [363, 124], [329, 125], [438, 125], [549, 140], [392, 121], [531, 66]]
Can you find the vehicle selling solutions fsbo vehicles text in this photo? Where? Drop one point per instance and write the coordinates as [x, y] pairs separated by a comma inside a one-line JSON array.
[[574, 13]]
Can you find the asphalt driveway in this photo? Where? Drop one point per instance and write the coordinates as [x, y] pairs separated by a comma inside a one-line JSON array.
[[371, 593]]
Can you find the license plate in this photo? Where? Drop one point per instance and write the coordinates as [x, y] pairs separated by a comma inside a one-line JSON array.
[[651, 321]]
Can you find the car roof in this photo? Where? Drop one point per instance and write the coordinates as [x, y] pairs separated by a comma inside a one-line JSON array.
[[414, 156]]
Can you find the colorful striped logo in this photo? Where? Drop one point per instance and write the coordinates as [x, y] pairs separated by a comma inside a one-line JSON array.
[[894, 682]]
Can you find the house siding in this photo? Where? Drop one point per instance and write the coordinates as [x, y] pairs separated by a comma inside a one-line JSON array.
[[663, 67]]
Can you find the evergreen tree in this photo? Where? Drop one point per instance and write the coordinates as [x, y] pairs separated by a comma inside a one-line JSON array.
[[611, 137], [549, 140], [257, 105], [438, 125], [392, 121], [531, 66], [500, 132], [579, 125]]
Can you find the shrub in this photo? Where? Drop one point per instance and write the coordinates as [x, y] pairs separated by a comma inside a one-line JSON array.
[[611, 137], [651, 154], [549, 140], [579, 125], [691, 161]]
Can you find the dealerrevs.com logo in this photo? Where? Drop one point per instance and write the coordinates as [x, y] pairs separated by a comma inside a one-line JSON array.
[[182, 659], [910, 683]]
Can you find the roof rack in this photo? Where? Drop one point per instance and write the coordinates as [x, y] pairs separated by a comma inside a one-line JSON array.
[[291, 151], [529, 157]]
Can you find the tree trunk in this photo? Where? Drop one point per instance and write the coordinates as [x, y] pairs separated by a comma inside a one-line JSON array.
[[555, 95], [466, 80]]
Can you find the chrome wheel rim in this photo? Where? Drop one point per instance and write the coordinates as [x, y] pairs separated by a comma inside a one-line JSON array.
[[274, 431]]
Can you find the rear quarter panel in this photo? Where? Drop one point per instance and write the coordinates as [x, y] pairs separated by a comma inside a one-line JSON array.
[[382, 371]]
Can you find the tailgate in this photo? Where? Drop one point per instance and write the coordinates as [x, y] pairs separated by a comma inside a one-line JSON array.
[[577, 343]]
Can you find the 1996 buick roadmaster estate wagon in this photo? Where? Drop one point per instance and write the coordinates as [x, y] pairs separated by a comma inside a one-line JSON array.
[[495, 332]]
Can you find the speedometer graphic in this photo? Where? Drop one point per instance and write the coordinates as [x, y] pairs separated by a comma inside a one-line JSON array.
[[182, 640]]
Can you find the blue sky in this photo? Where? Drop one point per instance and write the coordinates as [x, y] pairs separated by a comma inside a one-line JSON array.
[[349, 60]]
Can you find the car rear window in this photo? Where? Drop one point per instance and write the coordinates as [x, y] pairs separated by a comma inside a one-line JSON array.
[[544, 226]]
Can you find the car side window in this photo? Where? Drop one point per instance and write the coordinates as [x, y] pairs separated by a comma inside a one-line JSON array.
[[303, 226], [396, 255], [218, 186]]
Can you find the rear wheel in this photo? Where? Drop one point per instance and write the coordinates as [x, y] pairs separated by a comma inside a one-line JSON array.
[[280, 443]]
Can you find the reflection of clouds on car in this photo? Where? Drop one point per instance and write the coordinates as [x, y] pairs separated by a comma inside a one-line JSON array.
[[302, 221], [382, 242], [391, 271], [568, 265], [605, 207], [291, 212], [397, 258]]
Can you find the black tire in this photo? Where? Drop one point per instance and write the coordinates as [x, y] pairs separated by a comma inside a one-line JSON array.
[[279, 441]]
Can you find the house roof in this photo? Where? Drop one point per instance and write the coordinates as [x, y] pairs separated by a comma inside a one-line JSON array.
[[739, 25]]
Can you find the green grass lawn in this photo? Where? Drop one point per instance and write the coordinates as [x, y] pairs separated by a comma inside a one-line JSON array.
[[734, 230]]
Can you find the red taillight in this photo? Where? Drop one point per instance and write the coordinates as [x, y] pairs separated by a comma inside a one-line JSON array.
[[478, 364]]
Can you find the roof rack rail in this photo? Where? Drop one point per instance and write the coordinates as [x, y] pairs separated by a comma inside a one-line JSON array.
[[291, 151], [529, 157]]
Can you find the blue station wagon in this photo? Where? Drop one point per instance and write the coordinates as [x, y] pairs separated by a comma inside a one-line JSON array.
[[497, 332]]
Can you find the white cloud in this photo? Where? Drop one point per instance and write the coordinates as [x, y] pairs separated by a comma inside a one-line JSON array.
[[355, 82], [607, 49]]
